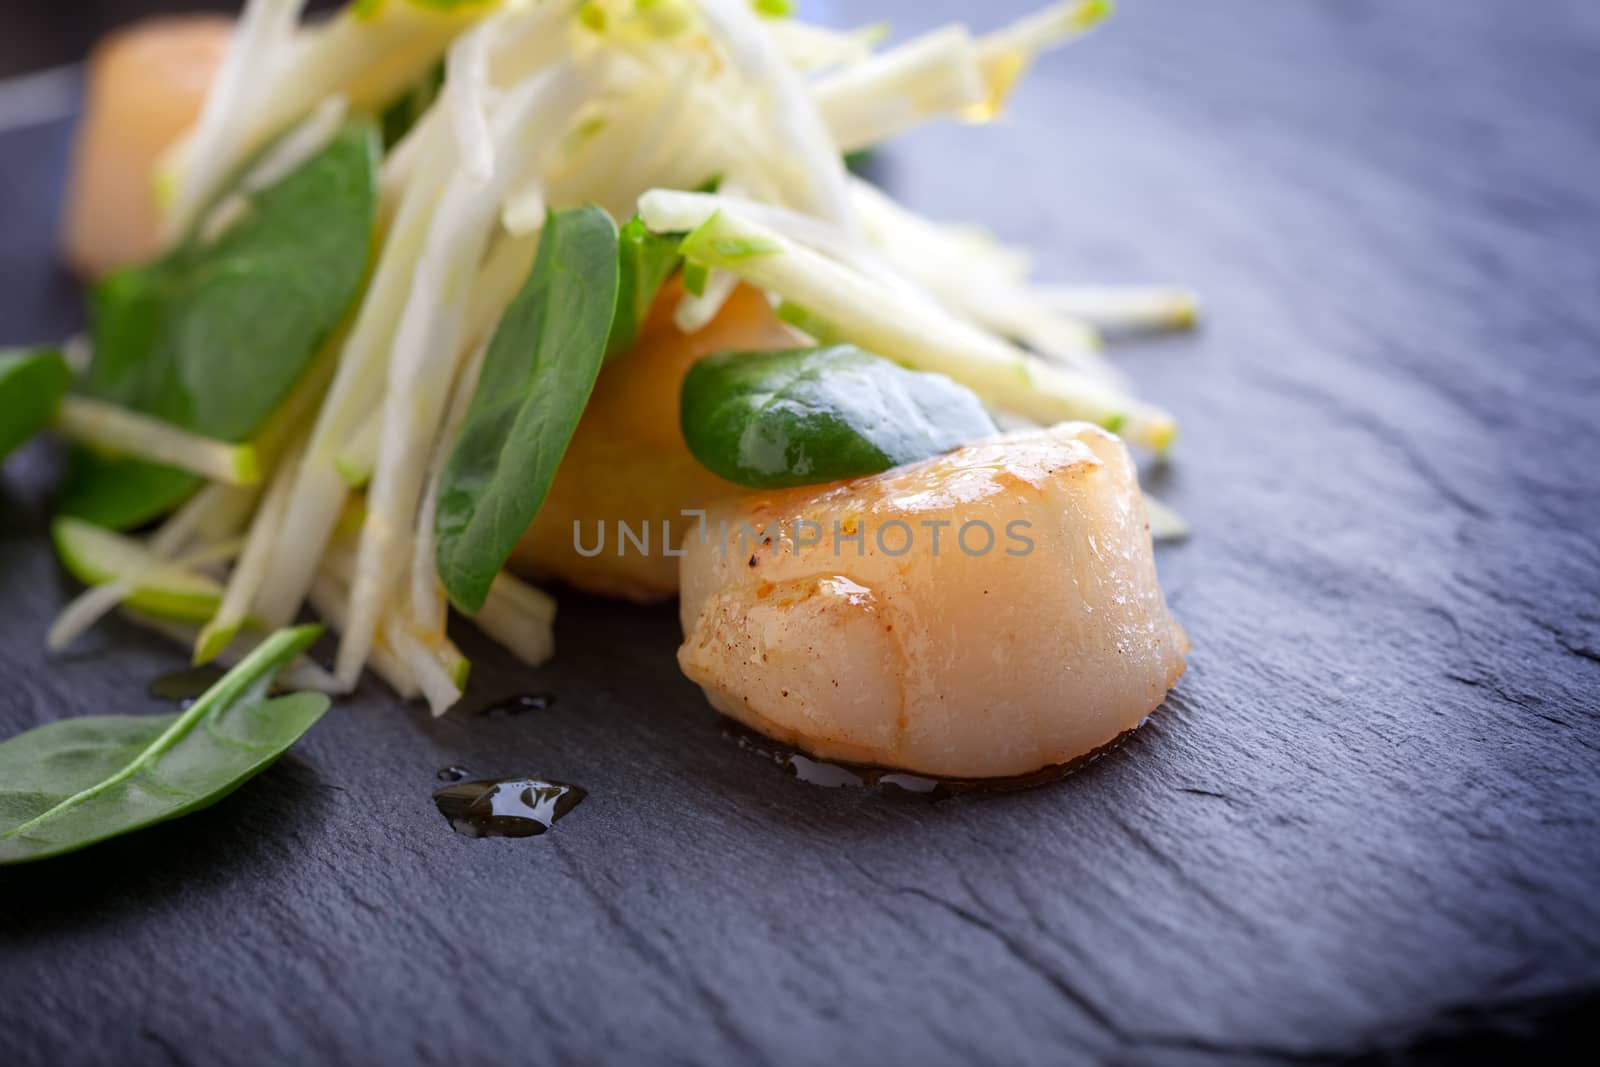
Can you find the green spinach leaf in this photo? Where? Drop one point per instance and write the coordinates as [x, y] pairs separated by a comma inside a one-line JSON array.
[[412, 103], [32, 382], [645, 261], [807, 415], [213, 336], [72, 783], [537, 376]]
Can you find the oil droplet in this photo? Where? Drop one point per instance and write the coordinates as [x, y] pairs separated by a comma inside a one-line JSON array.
[[833, 775], [828, 775], [907, 783], [519, 704], [452, 773], [506, 807], [186, 686]]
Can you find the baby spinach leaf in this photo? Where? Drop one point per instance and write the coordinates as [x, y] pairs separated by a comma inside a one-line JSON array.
[[32, 382], [645, 261], [807, 415], [412, 103], [212, 336], [72, 783], [121, 494], [537, 376]]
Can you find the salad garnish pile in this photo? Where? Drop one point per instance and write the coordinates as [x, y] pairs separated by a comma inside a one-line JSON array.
[[402, 243]]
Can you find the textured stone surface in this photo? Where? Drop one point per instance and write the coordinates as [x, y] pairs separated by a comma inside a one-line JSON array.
[[1365, 824]]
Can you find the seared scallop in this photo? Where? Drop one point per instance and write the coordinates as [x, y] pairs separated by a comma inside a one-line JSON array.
[[145, 87], [984, 614]]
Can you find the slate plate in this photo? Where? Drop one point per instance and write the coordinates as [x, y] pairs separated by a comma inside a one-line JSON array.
[[1364, 826]]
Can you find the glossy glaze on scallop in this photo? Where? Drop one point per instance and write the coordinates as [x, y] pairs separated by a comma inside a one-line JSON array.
[[939, 658]]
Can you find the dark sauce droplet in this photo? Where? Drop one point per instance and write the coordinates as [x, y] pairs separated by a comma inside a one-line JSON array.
[[828, 775], [506, 807], [816, 772], [186, 686], [516, 705], [452, 773]]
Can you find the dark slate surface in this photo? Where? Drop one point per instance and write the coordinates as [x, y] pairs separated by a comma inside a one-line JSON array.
[[1365, 825]]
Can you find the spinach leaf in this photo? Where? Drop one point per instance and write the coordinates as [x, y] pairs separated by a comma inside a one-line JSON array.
[[32, 382], [70, 784], [412, 103], [537, 376], [213, 336], [808, 415], [645, 261], [121, 494]]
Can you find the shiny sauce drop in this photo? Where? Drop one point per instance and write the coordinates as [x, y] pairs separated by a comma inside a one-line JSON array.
[[829, 775], [506, 807], [186, 686], [521, 703]]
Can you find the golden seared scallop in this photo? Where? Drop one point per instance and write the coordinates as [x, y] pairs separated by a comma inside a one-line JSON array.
[[983, 614], [145, 88], [628, 462]]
